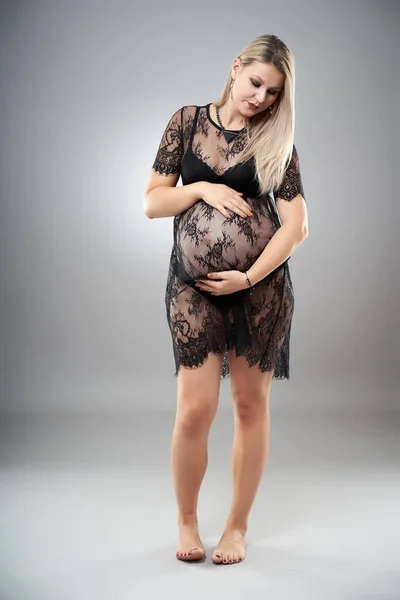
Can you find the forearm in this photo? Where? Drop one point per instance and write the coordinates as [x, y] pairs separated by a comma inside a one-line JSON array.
[[280, 247], [167, 201]]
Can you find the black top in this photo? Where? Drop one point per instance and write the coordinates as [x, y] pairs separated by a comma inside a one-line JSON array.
[[194, 146]]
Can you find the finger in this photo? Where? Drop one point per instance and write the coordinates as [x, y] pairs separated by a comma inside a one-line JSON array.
[[236, 209], [204, 287], [240, 203], [211, 289], [223, 211], [210, 286], [247, 208], [219, 275]]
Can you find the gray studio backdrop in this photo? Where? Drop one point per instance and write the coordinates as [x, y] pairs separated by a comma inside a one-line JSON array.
[[86, 90]]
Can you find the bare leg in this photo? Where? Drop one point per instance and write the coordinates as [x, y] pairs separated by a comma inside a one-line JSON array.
[[198, 391], [250, 392]]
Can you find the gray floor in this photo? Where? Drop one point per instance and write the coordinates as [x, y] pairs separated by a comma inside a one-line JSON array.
[[87, 508]]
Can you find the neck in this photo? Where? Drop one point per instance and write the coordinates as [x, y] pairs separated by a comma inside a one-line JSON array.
[[230, 116]]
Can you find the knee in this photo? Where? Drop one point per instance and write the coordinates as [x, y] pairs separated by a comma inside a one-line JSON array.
[[250, 405], [195, 416]]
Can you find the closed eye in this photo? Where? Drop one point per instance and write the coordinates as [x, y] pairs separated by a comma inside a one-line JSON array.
[[257, 85]]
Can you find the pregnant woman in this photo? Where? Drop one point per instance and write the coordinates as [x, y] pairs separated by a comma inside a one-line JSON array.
[[239, 215]]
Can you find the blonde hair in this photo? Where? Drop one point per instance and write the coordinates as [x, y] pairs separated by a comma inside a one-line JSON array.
[[270, 136]]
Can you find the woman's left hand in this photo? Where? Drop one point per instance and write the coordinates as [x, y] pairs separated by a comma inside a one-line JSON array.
[[231, 281]]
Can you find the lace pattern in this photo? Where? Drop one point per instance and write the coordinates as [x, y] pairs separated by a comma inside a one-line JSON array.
[[256, 325]]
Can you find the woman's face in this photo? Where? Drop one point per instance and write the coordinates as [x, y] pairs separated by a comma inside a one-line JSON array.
[[256, 86]]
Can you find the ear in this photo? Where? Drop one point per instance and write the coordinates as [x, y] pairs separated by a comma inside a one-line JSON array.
[[236, 66]]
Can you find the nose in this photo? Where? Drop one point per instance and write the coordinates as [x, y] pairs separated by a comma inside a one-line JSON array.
[[260, 96]]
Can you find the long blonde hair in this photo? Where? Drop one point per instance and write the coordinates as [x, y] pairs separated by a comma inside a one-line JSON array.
[[270, 136]]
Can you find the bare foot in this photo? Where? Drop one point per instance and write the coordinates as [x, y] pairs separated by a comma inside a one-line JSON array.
[[190, 546], [231, 548]]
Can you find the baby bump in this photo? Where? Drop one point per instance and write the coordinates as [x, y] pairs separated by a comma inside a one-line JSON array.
[[208, 241]]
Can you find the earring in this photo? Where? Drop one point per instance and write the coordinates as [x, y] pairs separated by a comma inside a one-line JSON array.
[[271, 110], [230, 88]]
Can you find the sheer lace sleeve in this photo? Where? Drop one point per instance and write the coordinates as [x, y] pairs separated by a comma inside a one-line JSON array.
[[291, 185], [169, 154]]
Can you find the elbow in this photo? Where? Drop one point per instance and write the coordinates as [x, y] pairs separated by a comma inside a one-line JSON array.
[[300, 234], [304, 228], [147, 209], [148, 214]]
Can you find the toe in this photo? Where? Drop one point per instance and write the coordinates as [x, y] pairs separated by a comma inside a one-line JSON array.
[[196, 552], [189, 554], [217, 557]]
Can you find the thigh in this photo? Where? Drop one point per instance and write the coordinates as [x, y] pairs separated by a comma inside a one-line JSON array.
[[198, 388], [197, 326], [248, 382]]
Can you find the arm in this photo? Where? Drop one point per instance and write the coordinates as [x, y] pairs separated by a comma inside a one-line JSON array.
[[291, 206], [285, 241], [162, 197], [292, 210], [281, 246]]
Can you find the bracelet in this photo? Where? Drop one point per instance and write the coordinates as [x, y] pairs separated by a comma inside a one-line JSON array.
[[248, 281]]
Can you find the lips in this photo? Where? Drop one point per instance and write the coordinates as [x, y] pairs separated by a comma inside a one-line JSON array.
[[252, 106]]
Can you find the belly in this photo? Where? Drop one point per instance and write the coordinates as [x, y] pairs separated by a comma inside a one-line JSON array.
[[207, 241]]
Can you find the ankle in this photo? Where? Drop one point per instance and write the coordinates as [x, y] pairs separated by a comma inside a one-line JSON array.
[[236, 524], [187, 521]]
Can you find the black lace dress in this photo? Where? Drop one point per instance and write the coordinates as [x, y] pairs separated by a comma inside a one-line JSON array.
[[257, 325]]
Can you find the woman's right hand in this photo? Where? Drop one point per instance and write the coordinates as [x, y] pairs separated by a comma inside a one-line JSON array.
[[224, 198]]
